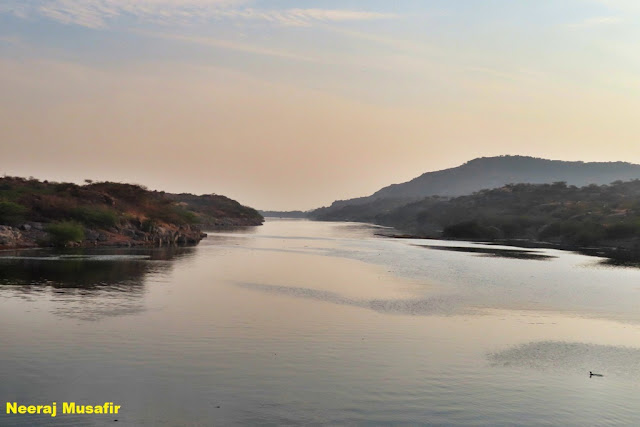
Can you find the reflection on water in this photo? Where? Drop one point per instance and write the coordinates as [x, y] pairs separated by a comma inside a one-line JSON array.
[[615, 263], [494, 252], [88, 284], [427, 306], [305, 323], [572, 357]]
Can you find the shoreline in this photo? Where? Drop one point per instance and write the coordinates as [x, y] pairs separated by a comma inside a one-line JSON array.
[[614, 253], [35, 236]]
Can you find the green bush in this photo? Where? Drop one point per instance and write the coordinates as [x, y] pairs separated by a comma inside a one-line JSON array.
[[470, 230], [62, 233], [174, 215], [148, 225], [11, 213], [623, 230], [99, 217]]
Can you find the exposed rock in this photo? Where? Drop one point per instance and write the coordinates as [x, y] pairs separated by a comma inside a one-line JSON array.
[[9, 236], [91, 235]]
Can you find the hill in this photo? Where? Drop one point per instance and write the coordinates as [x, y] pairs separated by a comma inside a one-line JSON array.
[[216, 211], [284, 214], [476, 175], [43, 213], [606, 216]]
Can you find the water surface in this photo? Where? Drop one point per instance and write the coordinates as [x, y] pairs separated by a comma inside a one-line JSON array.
[[300, 322]]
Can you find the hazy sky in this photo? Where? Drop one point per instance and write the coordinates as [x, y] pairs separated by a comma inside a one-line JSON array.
[[292, 104]]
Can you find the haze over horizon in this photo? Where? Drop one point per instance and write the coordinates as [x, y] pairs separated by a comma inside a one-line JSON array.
[[293, 104]]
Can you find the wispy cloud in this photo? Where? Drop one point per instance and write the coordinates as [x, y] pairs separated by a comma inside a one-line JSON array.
[[99, 13], [310, 16], [231, 45], [10, 40], [597, 21]]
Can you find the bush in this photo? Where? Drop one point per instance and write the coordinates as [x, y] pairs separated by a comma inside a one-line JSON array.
[[470, 230], [148, 225], [174, 215], [11, 213], [623, 230], [62, 233], [99, 217]]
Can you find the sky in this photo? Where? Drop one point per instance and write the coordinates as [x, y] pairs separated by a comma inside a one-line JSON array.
[[287, 104]]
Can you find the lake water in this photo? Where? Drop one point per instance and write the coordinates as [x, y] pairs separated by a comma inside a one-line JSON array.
[[300, 322]]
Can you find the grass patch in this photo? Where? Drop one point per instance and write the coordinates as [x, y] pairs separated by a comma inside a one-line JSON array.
[[94, 216], [62, 233], [11, 213]]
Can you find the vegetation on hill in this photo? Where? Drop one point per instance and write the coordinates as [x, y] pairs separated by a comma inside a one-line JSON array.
[[476, 175], [108, 213], [213, 210], [593, 215], [284, 214]]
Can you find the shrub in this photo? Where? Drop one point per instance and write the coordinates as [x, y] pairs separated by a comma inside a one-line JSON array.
[[99, 217], [62, 233], [174, 215], [470, 230], [148, 225], [623, 230], [11, 213]]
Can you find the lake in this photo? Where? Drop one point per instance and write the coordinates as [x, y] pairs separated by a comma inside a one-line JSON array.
[[299, 322]]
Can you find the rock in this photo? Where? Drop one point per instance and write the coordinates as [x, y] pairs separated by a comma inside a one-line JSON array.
[[25, 227], [129, 233], [37, 225], [9, 236], [91, 235], [102, 237]]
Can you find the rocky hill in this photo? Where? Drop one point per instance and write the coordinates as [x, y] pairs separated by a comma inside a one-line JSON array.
[[476, 175], [214, 211], [41, 213]]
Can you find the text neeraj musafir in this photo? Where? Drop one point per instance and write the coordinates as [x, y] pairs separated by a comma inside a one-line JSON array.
[[14, 408]]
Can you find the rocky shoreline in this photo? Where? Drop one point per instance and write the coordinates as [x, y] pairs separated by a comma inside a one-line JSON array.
[[37, 213], [34, 235]]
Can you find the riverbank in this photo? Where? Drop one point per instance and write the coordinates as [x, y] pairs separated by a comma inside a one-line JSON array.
[[616, 253], [34, 235], [37, 213]]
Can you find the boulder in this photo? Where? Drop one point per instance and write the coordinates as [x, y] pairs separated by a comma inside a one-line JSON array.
[[9, 236], [91, 235]]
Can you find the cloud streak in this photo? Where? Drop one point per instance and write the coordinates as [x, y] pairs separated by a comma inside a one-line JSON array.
[[231, 45], [100, 13], [596, 22]]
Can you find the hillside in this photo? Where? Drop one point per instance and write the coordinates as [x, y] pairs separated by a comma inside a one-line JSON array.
[[216, 211], [605, 216], [476, 175], [284, 214], [42, 213]]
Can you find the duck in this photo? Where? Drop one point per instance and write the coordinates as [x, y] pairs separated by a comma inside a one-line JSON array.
[[591, 374]]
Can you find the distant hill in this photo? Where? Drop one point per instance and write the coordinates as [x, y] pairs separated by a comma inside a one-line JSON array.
[[284, 214], [217, 211], [475, 175]]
